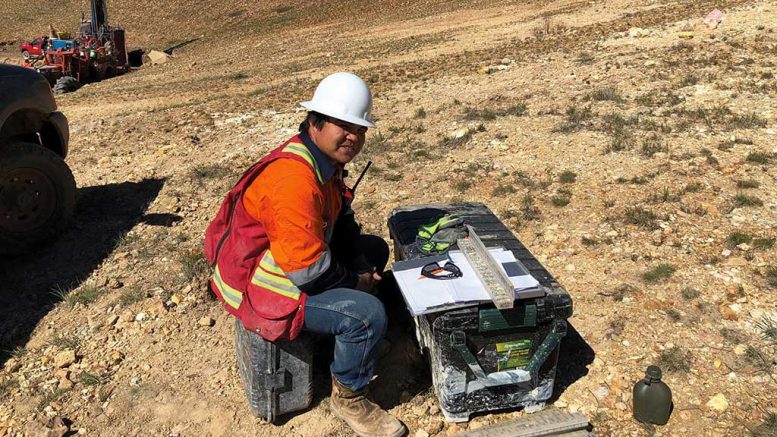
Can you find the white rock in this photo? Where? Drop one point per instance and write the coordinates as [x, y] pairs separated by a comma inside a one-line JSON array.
[[636, 32], [458, 133], [12, 365]]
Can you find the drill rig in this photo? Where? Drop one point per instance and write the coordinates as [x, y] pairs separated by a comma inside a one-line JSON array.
[[98, 52]]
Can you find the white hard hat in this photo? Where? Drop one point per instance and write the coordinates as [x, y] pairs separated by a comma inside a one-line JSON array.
[[343, 96]]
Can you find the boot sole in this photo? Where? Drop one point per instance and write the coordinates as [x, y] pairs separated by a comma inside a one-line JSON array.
[[399, 432]]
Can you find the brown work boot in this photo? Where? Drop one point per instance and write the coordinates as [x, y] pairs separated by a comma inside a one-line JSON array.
[[364, 417]]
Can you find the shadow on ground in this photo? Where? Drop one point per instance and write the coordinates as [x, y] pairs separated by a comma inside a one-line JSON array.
[[104, 214], [573, 359]]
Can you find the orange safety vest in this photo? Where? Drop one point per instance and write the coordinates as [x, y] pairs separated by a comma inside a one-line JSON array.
[[246, 278]]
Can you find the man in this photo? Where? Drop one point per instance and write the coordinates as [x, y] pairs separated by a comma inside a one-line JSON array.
[[288, 253]]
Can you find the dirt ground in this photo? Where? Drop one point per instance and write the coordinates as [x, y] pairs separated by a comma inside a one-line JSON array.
[[632, 149]]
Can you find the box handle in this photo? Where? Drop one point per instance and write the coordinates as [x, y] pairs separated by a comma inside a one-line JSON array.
[[514, 376], [547, 346]]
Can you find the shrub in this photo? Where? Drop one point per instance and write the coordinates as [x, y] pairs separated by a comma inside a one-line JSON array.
[[528, 210], [462, 185], [575, 119], [748, 184], [736, 238], [768, 327], [86, 295], [65, 341], [763, 243], [747, 121], [584, 58], [560, 200], [502, 189], [653, 145], [673, 314], [771, 276], [377, 143], [606, 93], [758, 157], [675, 359], [767, 428], [393, 177], [131, 295], [194, 265], [658, 273], [641, 217], [479, 114], [567, 177], [209, 171], [746, 200], [689, 293], [517, 110], [688, 80]]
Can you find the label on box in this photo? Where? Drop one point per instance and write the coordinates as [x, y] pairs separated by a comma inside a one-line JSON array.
[[512, 354]]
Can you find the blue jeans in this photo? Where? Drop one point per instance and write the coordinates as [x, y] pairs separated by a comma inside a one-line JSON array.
[[358, 322]]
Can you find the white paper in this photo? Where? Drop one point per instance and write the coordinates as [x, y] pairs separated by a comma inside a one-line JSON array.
[[425, 295]]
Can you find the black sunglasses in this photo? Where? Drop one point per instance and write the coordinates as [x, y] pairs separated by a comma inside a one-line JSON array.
[[433, 270], [348, 127]]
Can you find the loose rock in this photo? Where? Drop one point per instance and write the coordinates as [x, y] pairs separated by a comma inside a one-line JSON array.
[[65, 358], [718, 403]]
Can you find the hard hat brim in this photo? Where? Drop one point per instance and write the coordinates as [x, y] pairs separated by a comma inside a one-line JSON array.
[[311, 106]]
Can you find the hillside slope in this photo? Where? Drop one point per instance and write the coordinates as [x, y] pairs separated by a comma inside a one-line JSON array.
[[630, 148]]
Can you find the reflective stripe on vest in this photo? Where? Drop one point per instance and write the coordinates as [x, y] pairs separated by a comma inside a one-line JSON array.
[[270, 276], [313, 271], [303, 152], [230, 295]]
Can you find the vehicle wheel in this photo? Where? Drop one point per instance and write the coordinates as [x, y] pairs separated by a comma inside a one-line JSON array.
[[25, 54], [37, 196], [65, 84]]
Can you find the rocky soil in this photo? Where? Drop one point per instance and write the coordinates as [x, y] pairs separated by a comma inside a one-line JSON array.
[[632, 148]]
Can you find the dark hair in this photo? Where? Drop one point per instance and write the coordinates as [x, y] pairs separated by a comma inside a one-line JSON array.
[[314, 118]]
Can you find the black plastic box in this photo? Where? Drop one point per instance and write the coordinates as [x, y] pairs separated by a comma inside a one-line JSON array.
[[278, 377], [482, 358]]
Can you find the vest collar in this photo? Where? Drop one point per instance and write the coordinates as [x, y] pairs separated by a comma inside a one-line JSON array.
[[325, 166]]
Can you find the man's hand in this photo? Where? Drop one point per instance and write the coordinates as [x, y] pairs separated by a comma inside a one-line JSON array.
[[367, 281]]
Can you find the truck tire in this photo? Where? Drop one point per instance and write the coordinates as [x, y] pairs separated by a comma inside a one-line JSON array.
[[65, 84], [37, 196]]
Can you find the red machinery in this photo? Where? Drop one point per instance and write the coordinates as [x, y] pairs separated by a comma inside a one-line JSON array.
[[99, 52], [33, 48]]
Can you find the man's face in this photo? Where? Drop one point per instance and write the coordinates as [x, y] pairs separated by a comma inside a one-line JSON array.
[[339, 140]]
